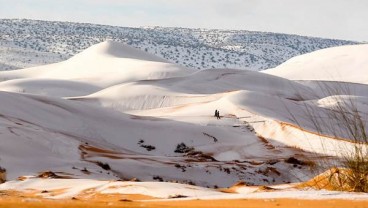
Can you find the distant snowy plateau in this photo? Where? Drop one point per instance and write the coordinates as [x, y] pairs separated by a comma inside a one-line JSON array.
[[27, 43], [133, 109]]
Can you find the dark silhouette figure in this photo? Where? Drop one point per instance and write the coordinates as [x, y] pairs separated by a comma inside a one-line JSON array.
[[217, 114]]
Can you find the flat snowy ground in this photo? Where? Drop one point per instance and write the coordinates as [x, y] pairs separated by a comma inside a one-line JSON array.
[[114, 112]]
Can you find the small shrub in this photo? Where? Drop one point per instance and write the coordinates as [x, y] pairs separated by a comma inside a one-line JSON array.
[[294, 161], [182, 167], [200, 156], [227, 170], [104, 166], [125, 200], [158, 178], [183, 148], [48, 174], [85, 171], [177, 196], [147, 147]]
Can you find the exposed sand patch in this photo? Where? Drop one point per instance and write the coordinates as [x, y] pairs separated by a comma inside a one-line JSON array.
[[21, 200], [233, 189], [334, 179]]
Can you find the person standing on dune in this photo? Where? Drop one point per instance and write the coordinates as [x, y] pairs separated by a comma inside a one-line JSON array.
[[217, 114]]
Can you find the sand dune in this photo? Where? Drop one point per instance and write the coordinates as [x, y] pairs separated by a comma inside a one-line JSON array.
[[345, 64], [113, 112]]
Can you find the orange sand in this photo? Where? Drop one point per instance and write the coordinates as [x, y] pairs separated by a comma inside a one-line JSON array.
[[15, 199]]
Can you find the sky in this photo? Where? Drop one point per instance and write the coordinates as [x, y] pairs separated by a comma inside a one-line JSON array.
[[339, 19]]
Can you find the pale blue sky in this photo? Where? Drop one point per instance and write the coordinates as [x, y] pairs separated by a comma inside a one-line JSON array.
[[342, 19]]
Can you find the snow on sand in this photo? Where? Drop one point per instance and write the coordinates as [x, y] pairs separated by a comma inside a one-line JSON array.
[[114, 112]]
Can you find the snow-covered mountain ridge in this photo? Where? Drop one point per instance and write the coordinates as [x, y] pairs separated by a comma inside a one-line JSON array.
[[27, 43]]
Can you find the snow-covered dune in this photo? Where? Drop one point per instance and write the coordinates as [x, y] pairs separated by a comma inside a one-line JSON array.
[[116, 50], [50, 87], [69, 137], [202, 86], [344, 63], [102, 65], [114, 112]]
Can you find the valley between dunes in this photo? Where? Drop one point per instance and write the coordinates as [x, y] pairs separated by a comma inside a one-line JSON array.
[[120, 127]]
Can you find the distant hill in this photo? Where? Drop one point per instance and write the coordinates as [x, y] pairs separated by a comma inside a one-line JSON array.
[[26, 43]]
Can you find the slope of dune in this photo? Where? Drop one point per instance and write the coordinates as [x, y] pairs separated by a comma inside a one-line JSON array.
[[50, 87], [344, 63], [117, 50], [101, 65], [66, 136], [202, 86]]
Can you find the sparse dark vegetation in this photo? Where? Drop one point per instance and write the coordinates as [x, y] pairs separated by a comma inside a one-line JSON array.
[[194, 48], [177, 196], [48, 174], [294, 161], [272, 162], [182, 167], [198, 155], [147, 147], [192, 153], [227, 170], [125, 200], [104, 166], [183, 148], [85, 171], [158, 178]]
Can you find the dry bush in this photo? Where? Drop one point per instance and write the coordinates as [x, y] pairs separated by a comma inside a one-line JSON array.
[[343, 121]]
